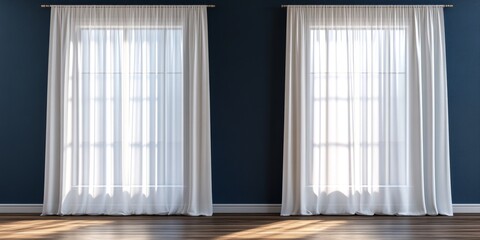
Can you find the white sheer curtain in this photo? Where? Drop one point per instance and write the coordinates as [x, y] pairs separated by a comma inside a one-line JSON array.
[[128, 116], [366, 118]]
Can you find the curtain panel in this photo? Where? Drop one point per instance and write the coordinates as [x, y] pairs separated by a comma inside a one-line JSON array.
[[366, 114], [128, 116]]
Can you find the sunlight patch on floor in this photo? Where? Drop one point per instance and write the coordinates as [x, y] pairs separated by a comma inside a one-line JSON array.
[[31, 229], [288, 229]]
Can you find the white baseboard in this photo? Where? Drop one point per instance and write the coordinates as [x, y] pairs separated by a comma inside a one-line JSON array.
[[220, 208], [275, 208], [466, 208], [246, 208], [217, 208], [21, 208]]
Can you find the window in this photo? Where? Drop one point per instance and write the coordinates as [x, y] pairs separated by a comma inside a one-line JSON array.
[[131, 112], [357, 77]]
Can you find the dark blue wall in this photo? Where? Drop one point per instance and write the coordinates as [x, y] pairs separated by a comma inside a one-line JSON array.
[[247, 44]]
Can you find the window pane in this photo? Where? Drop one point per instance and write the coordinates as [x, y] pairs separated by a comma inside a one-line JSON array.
[[131, 108], [358, 95]]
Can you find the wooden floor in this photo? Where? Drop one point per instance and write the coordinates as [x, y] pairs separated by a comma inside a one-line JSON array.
[[239, 227]]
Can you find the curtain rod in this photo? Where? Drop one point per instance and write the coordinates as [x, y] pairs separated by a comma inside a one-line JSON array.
[[446, 6], [47, 5]]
